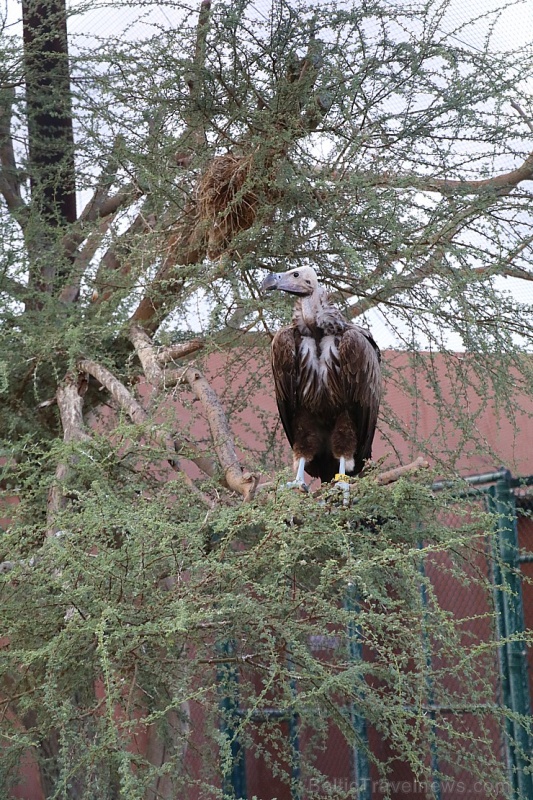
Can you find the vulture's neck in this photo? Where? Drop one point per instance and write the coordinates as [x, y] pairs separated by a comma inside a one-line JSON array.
[[315, 311]]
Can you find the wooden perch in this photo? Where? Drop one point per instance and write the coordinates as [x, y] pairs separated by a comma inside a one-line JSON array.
[[243, 482], [391, 475], [382, 478]]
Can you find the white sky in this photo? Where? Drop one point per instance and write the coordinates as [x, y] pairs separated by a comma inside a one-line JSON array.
[[512, 29]]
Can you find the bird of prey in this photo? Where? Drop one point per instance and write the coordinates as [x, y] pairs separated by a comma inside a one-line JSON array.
[[327, 380]]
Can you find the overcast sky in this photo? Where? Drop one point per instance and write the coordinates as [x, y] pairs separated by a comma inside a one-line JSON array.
[[511, 29]]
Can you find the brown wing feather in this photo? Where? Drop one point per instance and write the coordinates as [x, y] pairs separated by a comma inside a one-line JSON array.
[[360, 372], [285, 371]]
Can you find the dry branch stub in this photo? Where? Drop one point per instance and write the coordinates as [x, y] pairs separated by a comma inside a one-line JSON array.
[[392, 475]]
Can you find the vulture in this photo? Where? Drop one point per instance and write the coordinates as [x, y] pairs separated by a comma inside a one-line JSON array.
[[327, 381]]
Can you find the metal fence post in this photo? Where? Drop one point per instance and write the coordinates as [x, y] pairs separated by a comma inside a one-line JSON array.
[[294, 739], [233, 779], [361, 766], [435, 772], [510, 625]]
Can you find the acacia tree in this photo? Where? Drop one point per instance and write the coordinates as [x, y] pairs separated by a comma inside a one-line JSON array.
[[148, 181]]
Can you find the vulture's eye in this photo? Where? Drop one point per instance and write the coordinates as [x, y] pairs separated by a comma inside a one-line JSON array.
[[295, 274]]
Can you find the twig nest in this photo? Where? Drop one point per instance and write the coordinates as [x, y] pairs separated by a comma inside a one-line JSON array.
[[228, 197]]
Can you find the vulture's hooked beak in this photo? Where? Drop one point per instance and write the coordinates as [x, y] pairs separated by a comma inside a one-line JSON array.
[[290, 282], [271, 282]]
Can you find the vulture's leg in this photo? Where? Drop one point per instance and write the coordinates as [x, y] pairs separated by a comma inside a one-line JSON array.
[[299, 482], [342, 483], [343, 446]]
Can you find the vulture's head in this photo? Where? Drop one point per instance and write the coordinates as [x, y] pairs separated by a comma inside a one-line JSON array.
[[301, 281]]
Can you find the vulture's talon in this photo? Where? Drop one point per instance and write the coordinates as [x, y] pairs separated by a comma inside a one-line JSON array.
[[300, 485], [344, 487]]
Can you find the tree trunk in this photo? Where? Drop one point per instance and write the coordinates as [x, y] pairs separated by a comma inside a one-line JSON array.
[[50, 134]]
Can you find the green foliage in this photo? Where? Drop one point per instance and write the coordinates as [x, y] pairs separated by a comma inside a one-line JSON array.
[[372, 141], [160, 608]]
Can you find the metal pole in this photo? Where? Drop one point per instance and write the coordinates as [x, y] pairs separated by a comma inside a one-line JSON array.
[[515, 683], [473, 480], [429, 683], [361, 766], [234, 778], [503, 662], [294, 739]]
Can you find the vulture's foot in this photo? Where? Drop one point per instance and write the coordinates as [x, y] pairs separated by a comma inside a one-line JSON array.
[[299, 482], [341, 484], [300, 485]]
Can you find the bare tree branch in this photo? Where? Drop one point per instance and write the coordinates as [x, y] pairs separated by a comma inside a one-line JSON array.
[[158, 380], [506, 268], [99, 207], [523, 114], [139, 416], [115, 261], [136, 412], [500, 185], [515, 272], [82, 259], [243, 482], [178, 350], [147, 356], [9, 176], [95, 206], [391, 475], [124, 399], [70, 403]]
